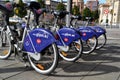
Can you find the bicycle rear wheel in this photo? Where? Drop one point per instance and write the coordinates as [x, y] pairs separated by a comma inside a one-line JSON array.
[[72, 54], [101, 41], [48, 61], [90, 45]]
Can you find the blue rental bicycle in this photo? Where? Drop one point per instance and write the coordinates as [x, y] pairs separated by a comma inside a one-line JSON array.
[[38, 46], [67, 38], [88, 35], [100, 33]]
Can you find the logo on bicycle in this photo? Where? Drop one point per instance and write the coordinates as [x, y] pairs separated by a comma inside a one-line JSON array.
[[68, 34], [38, 41], [86, 31], [27, 42], [84, 34], [40, 35]]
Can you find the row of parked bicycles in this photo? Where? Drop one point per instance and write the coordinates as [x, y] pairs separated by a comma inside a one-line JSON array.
[[41, 43]]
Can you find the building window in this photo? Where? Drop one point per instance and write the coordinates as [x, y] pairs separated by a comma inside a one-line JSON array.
[[114, 14]]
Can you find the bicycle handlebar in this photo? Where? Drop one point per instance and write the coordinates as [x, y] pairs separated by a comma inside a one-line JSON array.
[[60, 14]]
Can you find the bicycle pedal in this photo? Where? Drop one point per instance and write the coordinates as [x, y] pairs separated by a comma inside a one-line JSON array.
[[78, 46], [63, 53], [40, 66], [5, 52]]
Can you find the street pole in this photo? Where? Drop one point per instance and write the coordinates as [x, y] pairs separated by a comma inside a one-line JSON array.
[[69, 9]]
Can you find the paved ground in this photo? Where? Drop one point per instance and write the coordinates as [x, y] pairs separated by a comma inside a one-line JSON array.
[[102, 64]]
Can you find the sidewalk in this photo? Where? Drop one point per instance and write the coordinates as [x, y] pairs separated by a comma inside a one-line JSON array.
[[102, 64]]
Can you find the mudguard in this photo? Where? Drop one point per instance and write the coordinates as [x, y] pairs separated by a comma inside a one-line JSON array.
[[37, 40], [67, 36], [99, 30], [86, 33]]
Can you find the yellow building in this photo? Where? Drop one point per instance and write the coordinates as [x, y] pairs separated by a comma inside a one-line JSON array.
[[113, 15], [116, 12], [104, 15]]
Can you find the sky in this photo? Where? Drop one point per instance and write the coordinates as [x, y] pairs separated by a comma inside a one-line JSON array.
[[101, 1]]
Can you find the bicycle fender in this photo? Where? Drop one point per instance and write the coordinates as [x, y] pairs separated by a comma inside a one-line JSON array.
[[86, 33], [99, 30], [67, 35], [37, 40]]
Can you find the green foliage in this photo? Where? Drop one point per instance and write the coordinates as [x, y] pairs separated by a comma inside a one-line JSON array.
[[107, 20], [86, 13], [75, 10], [42, 3], [95, 14], [20, 11], [111, 12], [60, 7], [7, 1], [20, 3]]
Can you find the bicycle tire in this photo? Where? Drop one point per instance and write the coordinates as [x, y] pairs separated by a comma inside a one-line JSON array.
[[87, 48], [5, 46], [40, 66], [71, 55], [102, 39]]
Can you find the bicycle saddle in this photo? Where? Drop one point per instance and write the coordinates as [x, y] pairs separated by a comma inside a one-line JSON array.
[[6, 8], [60, 14], [33, 5]]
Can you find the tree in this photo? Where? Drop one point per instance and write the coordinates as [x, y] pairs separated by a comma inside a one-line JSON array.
[[75, 10], [42, 3], [7, 1], [60, 7], [20, 11], [86, 13], [95, 14]]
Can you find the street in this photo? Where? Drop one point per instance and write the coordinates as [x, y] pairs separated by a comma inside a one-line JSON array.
[[103, 64]]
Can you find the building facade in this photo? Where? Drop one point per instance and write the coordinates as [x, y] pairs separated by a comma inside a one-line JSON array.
[[104, 13], [79, 3], [113, 14], [92, 4]]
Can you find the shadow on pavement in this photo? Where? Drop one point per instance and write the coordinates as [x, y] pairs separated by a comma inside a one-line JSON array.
[[93, 62], [14, 69], [99, 63]]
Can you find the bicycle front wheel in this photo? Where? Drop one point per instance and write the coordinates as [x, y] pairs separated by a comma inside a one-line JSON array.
[[48, 61]]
